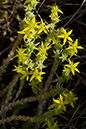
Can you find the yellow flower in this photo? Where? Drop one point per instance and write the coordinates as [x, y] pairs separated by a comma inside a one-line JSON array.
[[71, 98], [36, 74], [61, 103], [30, 29], [74, 46], [65, 36], [72, 66], [32, 2], [42, 50], [43, 27]]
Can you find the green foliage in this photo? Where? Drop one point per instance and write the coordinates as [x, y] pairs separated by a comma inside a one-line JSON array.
[[27, 125], [32, 56], [55, 126], [18, 108]]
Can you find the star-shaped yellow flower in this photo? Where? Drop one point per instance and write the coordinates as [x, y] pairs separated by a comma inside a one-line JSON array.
[[72, 66], [65, 36], [42, 50], [36, 74]]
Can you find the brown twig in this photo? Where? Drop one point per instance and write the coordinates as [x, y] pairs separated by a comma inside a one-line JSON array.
[[22, 118], [10, 55]]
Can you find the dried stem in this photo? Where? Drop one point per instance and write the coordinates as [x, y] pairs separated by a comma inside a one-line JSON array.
[[22, 118], [10, 55]]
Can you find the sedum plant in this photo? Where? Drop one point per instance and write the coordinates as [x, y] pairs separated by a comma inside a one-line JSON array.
[[35, 52]]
